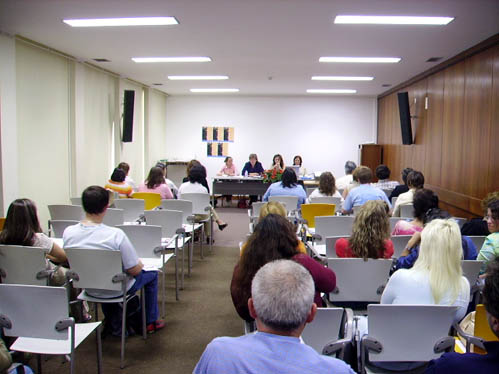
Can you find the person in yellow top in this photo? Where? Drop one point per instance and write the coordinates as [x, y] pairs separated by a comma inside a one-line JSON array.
[[274, 207], [117, 184]]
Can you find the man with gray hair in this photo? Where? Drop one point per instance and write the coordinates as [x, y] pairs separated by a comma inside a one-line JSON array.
[[344, 181], [282, 303]]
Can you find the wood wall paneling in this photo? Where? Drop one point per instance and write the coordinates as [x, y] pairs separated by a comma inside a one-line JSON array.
[[493, 173]]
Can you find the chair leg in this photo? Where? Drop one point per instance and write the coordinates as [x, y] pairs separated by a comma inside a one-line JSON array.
[[202, 240], [98, 343], [39, 363], [176, 274], [123, 333], [191, 251], [183, 261], [143, 307], [163, 286], [212, 233]]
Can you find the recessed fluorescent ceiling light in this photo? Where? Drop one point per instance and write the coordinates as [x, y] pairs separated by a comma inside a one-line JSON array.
[[393, 20], [215, 90], [389, 60], [339, 78], [132, 21], [331, 91], [196, 77], [171, 59]]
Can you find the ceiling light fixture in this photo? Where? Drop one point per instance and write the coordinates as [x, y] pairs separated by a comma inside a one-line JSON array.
[[170, 59], [214, 90], [196, 77], [341, 78], [392, 20], [388, 60], [132, 21], [331, 91]]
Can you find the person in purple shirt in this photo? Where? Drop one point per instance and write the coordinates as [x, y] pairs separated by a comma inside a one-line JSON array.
[[253, 167], [456, 363]]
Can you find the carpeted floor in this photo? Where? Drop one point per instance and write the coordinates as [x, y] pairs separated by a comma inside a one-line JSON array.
[[204, 312]]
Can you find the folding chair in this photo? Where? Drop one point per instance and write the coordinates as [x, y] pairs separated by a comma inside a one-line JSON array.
[[477, 241], [151, 199], [331, 245], [407, 211], [100, 269], [326, 200], [132, 208], [406, 333], [331, 331], [65, 212], [254, 214], [399, 244], [23, 265], [38, 316], [75, 200], [482, 332], [201, 206], [114, 217], [58, 226], [291, 202], [333, 226], [471, 271], [310, 211], [393, 222]]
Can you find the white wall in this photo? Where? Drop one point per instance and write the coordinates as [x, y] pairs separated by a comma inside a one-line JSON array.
[[325, 131], [155, 127]]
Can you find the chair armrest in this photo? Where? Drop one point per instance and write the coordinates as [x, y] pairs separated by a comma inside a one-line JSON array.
[[340, 344], [3, 273], [118, 278], [470, 339], [180, 231], [72, 275], [65, 323], [45, 273], [5, 322], [191, 219], [368, 343], [444, 344]]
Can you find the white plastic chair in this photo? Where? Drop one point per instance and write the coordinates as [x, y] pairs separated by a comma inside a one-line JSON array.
[[406, 333], [333, 226], [38, 316], [399, 244], [58, 226], [132, 208], [471, 270], [387, 191], [65, 211], [330, 332], [23, 265], [101, 269], [185, 206], [327, 200], [330, 245], [477, 241], [114, 217], [290, 202], [460, 221], [393, 222], [201, 205], [358, 280], [407, 211], [309, 190], [75, 200]]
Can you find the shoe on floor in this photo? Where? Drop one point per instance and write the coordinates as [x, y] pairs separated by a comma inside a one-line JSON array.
[[222, 226], [155, 326]]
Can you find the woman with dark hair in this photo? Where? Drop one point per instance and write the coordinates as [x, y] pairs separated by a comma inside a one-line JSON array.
[[415, 181], [327, 187], [277, 163], [169, 182], [288, 186], [423, 201], [274, 238], [401, 188], [117, 183], [155, 182], [203, 181], [370, 233], [228, 168], [490, 247], [128, 180], [298, 161]]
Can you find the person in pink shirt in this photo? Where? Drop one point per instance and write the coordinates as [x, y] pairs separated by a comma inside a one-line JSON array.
[[155, 182], [423, 201], [229, 168]]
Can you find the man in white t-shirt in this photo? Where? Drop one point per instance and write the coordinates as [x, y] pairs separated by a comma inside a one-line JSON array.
[[92, 233], [344, 181]]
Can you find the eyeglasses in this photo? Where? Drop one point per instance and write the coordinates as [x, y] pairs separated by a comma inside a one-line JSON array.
[[486, 218]]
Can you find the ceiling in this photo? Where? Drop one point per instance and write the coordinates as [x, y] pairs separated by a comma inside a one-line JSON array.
[[266, 47]]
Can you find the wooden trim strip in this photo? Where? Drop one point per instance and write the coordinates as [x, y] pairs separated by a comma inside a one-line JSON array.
[[458, 200]]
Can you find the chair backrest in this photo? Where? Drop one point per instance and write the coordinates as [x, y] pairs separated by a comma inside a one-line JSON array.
[[21, 265], [75, 200], [199, 202], [408, 332], [394, 199], [333, 226], [132, 208], [324, 329], [151, 199], [471, 270], [255, 209], [387, 191], [359, 280], [399, 244], [330, 245], [393, 222], [326, 200], [169, 220], [144, 239], [309, 190], [310, 211], [59, 225], [356, 209], [95, 268], [291, 202], [477, 241], [114, 217], [65, 211], [34, 310], [460, 221], [482, 327], [185, 206], [407, 210]]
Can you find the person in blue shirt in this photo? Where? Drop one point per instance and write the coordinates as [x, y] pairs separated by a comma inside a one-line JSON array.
[[457, 363], [282, 303], [365, 192], [253, 167], [288, 186]]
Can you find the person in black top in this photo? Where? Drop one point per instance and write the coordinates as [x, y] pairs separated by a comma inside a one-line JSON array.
[[401, 188], [478, 226], [190, 165]]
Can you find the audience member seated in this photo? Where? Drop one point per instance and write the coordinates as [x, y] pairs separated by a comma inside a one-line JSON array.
[[456, 363], [6, 362], [327, 187], [197, 174], [370, 233], [298, 161], [410, 254], [383, 175], [479, 226], [92, 233], [401, 188], [169, 182], [155, 182], [424, 200], [415, 181], [117, 184], [344, 181], [353, 184], [203, 181], [274, 238], [277, 163], [128, 179], [363, 193], [288, 186], [228, 168], [282, 302], [436, 277], [490, 247]]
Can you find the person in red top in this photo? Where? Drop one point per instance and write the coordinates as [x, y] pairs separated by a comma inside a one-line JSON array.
[[370, 233]]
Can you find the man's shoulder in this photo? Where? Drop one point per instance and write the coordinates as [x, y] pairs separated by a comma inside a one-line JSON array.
[[457, 363]]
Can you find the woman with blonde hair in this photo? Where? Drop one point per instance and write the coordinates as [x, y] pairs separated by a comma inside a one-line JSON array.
[[436, 277], [370, 233]]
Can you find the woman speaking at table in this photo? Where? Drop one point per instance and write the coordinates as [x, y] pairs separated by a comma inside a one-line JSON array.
[[228, 168], [253, 167]]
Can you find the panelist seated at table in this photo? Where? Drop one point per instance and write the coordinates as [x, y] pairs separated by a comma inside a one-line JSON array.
[[228, 168], [253, 167], [288, 186], [278, 163], [298, 161]]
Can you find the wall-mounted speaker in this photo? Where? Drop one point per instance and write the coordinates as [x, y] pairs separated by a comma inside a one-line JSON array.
[[128, 116], [405, 117]]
